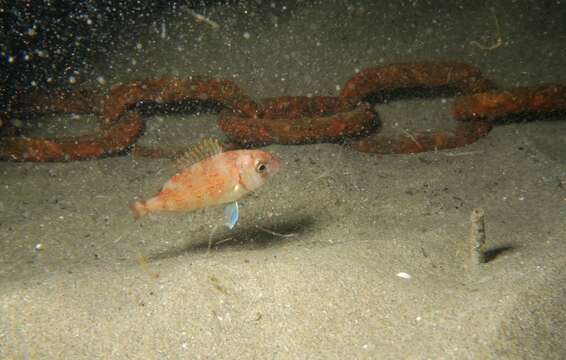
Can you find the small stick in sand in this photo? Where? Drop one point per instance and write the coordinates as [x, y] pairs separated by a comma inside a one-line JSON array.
[[274, 233], [477, 237]]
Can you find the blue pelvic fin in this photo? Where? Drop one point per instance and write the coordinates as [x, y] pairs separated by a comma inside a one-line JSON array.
[[232, 214]]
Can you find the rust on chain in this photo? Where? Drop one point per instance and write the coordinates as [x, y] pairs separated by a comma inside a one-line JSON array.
[[493, 105], [298, 120], [405, 76], [454, 76], [284, 120], [112, 140], [166, 90]]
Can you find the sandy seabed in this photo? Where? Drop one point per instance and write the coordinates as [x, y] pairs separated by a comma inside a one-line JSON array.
[[80, 279]]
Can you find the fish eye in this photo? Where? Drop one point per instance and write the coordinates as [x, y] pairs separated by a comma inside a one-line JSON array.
[[261, 167]]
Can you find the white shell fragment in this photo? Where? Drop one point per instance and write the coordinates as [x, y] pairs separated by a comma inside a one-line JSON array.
[[404, 275]]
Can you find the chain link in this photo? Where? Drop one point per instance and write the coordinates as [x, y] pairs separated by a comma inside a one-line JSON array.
[[348, 118]]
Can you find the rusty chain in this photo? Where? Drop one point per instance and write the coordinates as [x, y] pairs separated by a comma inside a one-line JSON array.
[[348, 118]]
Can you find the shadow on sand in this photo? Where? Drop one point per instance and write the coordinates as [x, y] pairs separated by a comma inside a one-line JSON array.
[[250, 237], [493, 253]]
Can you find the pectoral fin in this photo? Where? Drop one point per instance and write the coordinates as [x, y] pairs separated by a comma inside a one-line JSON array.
[[232, 214]]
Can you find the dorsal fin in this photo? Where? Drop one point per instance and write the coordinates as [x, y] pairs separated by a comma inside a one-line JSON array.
[[203, 150]]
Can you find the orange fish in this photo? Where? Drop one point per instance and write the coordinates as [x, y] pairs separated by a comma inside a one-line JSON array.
[[207, 177]]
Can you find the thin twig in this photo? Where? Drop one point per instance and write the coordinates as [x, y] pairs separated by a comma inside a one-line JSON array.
[[201, 18], [412, 138], [465, 153], [142, 262], [223, 241], [210, 238], [329, 170], [275, 233], [499, 41]]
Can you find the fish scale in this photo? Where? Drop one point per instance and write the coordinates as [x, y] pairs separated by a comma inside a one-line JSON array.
[[210, 177]]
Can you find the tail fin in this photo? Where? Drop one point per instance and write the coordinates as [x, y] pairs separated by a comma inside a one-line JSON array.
[[139, 209]]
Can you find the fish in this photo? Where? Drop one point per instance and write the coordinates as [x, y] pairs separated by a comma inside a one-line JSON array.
[[209, 176]]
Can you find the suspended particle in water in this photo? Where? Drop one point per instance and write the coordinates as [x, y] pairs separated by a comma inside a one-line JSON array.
[[41, 53], [163, 30]]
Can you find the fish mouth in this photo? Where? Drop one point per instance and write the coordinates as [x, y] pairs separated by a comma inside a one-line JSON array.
[[274, 165]]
